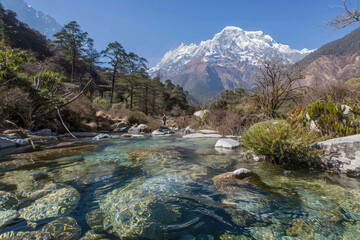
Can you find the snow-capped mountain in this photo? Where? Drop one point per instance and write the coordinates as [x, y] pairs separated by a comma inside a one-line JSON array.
[[37, 20], [229, 60]]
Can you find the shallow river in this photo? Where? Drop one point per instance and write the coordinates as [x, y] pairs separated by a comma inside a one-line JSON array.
[[162, 188]]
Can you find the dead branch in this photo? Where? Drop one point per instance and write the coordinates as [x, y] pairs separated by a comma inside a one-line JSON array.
[[349, 16]]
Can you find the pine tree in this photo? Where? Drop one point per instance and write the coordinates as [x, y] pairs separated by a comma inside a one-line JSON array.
[[73, 41]]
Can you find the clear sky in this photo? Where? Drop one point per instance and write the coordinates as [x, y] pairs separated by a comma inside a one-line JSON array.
[[152, 27]]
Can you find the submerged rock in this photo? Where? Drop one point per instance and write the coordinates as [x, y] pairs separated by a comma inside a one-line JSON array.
[[59, 229], [61, 200], [7, 216], [62, 228], [91, 235], [95, 219], [300, 229], [231, 181]]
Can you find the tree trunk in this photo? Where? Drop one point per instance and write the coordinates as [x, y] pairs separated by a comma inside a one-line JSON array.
[[131, 98], [73, 69]]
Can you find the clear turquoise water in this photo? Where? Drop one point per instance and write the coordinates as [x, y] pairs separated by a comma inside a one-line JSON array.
[[168, 193]]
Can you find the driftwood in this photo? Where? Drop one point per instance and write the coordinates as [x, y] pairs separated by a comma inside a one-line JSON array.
[[62, 122]]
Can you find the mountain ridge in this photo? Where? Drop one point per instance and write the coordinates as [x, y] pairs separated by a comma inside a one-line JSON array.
[[37, 20], [231, 57]]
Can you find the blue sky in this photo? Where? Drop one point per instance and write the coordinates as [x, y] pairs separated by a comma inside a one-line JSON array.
[[152, 27]]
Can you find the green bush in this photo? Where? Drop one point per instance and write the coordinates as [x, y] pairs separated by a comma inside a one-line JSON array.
[[331, 120], [102, 101], [281, 142]]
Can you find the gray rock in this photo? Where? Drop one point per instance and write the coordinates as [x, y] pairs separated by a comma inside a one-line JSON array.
[[201, 113], [5, 143], [189, 130], [200, 135], [123, 129], [227, 143], [7, 216], [102, 136], [159, 132], [21, 142], [341, 154], [42, 132], [242, 173], [208, 131], [123, 124], [13, 136], [80, 134]]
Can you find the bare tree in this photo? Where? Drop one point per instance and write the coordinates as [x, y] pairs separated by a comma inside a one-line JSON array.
[[349, 16], [277, 83]]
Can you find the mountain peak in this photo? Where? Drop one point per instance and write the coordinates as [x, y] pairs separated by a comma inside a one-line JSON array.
[[231, 46]]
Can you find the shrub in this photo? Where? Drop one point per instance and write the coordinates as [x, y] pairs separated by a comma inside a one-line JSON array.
[[281, 142], [332, 120], [102, 101]]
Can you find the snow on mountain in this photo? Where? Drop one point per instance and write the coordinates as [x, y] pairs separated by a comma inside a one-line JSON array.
[[37, 20], [231, 47]]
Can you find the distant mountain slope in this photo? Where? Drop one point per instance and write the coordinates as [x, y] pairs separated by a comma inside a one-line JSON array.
[[337, 61], [37, 20], [347, 45], [23, 36], [227, 61]]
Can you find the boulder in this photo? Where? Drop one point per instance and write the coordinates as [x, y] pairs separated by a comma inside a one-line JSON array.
[[162, 132], [341, 154], [42, 132], [208, 131], [102, 136], [80, 134], [201, 135], [227, 143], [13, 136], [189, 130], [21, 142], [7, 216], [127, 135], [201, 113], [5, 143], [231, 181], [242, 173], [143, 128], [122, 127]]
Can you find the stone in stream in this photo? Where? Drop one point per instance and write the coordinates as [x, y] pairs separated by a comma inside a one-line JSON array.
[[95, 219], [201, 135], [91, 235], [189, 130], [7, 216], [59, 229], [341, 154], [58, 201], [21, 142], [227, 143], [102, 136], [146, 209], [62, 228], [5, 143]]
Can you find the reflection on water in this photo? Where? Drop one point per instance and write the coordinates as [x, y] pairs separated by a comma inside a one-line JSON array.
[[162, 188]]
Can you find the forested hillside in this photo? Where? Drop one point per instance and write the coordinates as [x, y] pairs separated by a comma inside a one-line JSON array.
[[39, 76]]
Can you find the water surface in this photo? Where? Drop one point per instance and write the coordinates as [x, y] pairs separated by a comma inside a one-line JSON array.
[[162, 188]]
